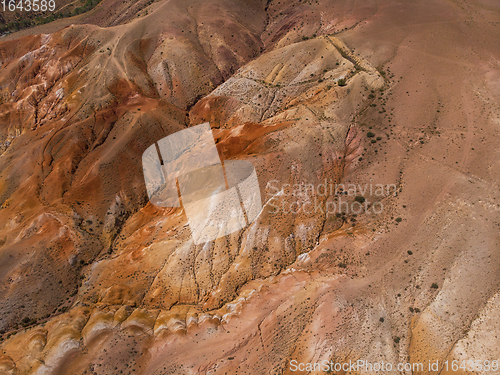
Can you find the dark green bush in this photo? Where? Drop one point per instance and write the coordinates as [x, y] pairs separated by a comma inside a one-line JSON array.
[[360, 199]]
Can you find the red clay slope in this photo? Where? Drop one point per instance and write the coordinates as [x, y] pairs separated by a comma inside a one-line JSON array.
[[110, 284]]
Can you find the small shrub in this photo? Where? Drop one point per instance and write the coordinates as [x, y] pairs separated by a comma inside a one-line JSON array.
[[370, 135], [434, 286], [397, 339], [399, 220], [360, 199], [342, 82]]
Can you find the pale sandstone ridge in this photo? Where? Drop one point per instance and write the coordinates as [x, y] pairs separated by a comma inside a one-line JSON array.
[[106, 283]]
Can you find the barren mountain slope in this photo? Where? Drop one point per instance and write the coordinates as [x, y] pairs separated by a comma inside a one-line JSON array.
[[96, 280]]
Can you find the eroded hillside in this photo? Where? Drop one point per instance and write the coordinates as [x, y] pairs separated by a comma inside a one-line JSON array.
[[96, 280]]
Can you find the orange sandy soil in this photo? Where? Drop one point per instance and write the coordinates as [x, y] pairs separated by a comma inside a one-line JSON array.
[[96, 280]]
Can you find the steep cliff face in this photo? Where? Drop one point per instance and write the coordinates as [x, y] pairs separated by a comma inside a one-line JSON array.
[[393, 100]]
